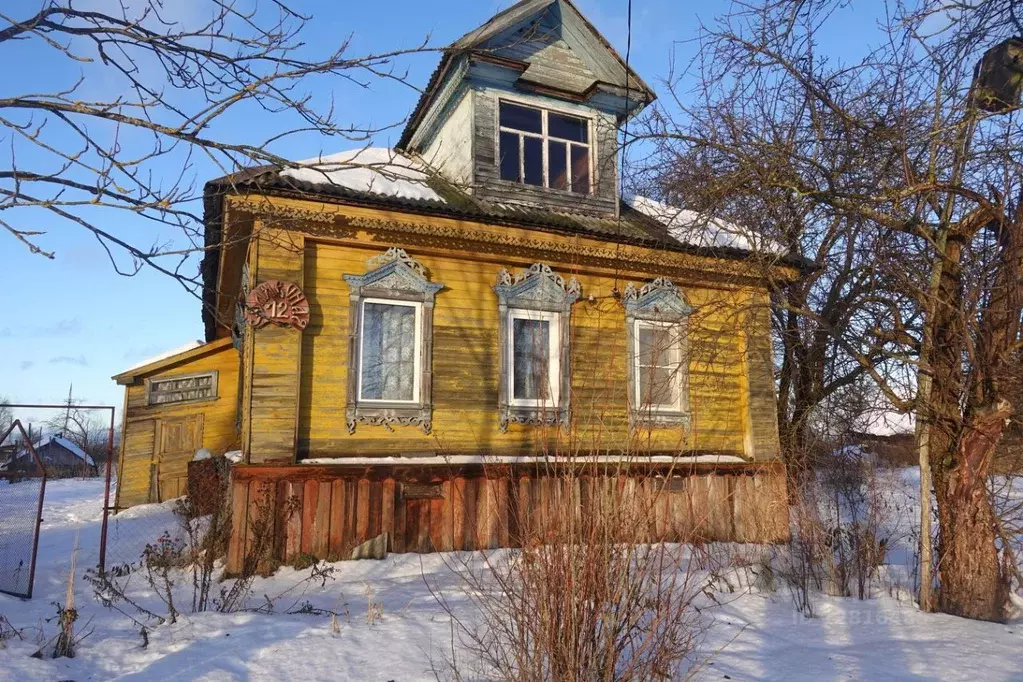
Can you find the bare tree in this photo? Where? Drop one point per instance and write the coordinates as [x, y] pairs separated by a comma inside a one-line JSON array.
[[83, 428], [158, 97], [757, 150], [6, 414], [888, 173]]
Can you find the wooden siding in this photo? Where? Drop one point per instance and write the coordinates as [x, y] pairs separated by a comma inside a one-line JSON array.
[[449, 150], [763, 406], [465, 366], [328, 511], [145, 474], [273, 356]]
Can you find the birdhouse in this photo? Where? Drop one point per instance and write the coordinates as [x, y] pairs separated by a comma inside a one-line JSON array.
[[998, 79]]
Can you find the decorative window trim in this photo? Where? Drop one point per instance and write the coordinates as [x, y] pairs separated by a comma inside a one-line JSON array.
[[539, 289], [392, 276], [214, 394], [660, 302]]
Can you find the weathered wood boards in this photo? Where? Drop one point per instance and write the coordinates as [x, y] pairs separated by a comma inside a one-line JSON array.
[[159, 440], [465, 367], [327, 511]]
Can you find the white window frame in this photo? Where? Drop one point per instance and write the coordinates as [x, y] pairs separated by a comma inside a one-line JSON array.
[[544, 137], [681, 371], [554, 362], [417, 349]]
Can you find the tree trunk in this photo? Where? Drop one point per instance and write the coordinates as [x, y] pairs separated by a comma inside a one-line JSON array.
[[972, 582]]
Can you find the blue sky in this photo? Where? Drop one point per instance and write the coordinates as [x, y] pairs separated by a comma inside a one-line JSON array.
[[74, 320]]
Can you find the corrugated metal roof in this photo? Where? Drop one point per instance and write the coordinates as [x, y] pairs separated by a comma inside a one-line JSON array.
[[632, 227]]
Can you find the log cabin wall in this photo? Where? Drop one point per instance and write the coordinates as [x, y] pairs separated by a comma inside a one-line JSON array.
[[282, 513]]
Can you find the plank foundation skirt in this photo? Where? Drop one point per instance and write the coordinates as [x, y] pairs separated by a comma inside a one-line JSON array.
[[280, 513]]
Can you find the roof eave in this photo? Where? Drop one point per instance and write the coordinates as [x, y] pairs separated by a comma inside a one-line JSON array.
[[130, 376]]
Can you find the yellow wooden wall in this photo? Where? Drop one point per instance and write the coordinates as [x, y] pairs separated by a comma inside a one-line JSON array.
[[465, 363], [272, 355], [143, 427]]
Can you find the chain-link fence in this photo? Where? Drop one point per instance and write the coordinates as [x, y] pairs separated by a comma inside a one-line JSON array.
[[22, 487], [46, 474]]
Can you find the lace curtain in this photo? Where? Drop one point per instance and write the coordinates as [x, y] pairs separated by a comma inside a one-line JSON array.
[[388, 352]]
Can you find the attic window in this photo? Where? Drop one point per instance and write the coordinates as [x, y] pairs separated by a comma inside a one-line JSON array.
[[544, 148]]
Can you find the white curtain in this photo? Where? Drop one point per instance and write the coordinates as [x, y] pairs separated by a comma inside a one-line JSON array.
[[388, 352]]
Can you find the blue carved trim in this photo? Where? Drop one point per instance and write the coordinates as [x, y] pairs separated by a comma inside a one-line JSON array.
[[658, 300]]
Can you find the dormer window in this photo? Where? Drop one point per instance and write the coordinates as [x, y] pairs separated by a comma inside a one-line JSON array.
[[544, 148]]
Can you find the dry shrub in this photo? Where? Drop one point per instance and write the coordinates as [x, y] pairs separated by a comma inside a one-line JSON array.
[[581, 600], [845, 518], [193, 554]]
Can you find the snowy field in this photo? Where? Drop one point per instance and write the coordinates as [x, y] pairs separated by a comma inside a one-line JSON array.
[[751, 635]]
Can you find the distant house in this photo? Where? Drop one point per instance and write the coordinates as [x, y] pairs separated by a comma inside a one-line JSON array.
[[61, 457]]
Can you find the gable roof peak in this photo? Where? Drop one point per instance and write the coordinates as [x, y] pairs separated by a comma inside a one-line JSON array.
[[509, 40]]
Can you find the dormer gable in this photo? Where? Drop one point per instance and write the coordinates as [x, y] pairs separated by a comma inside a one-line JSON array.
[[525, 110]]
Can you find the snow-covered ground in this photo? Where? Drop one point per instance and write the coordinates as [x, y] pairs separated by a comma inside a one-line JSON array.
[[752, 635]]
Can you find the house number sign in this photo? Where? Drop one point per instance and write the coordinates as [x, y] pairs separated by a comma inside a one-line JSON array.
[[279, 303]]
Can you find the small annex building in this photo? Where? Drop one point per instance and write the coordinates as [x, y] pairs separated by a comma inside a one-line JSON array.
[[399, 342]]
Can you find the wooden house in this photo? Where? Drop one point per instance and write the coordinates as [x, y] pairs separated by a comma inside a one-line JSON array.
[[61, 457], [400, 342]]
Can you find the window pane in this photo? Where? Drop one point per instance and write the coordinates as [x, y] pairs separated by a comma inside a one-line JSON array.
[[557, 164], [657, 346], [530, 359], [580, 169], [388, 352], [567, 127], [533, 160], [520, 118], [658, 387], [510, 157]]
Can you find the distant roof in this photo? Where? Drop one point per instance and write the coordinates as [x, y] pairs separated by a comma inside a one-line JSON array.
[[389, 178], [67, 445], [74, 449]]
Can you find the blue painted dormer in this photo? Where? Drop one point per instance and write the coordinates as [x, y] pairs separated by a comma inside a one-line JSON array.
[[525, 110]]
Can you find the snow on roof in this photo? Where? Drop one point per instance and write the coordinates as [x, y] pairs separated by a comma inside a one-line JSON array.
[[164, 355], [73, 449], [697, 229], [67, 445], [374, 170]]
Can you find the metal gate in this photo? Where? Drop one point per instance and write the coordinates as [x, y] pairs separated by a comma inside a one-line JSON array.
[[22, 487]]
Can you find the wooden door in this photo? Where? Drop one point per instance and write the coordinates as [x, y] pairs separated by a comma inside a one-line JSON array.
[[176, 442]]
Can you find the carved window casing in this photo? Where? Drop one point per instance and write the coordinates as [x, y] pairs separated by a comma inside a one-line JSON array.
[[534, 309], [395, 295], [657, 325]]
